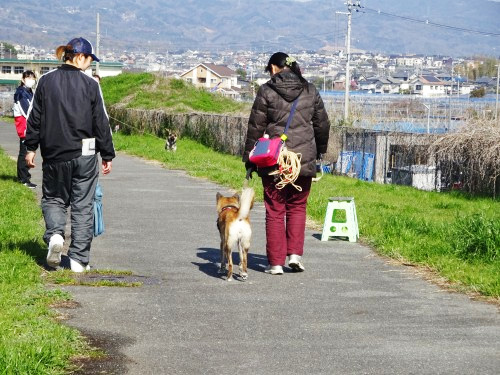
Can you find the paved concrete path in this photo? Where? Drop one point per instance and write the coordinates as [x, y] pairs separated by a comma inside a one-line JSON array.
[[350, 313]]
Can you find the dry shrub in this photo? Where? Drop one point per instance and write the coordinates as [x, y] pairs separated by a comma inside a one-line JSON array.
[[221, 132], [471, 157]]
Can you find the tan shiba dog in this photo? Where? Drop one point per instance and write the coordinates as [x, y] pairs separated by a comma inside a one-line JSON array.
[[235, 230]]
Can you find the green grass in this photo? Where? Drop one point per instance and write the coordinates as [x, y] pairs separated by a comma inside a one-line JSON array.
[[31, 340], [8, 119], [436, 230], [177, 95], [148, 91], [115, 89]]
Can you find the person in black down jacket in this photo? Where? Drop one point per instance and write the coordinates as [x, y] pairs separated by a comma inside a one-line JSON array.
[[307, 135], [69, 122]]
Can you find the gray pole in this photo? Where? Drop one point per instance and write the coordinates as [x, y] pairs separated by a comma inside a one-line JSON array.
[[428, 116], [496, 101], [98, 37], [347, 67], [449, 99], [324, 79], [350, 5]]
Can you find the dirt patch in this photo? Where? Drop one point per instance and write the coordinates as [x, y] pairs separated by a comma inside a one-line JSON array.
[[113, 362], [89, 277]]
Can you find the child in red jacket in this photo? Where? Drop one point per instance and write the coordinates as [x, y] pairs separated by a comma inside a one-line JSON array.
[[22, 102]]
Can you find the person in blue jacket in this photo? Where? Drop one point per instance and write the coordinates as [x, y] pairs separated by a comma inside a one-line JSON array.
[[22, 102]]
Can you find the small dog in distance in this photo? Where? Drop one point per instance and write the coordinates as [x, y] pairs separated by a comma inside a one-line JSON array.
[[171, 142]]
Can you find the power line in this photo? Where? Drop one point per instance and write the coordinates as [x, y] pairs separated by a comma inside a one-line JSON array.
[[435, 24]]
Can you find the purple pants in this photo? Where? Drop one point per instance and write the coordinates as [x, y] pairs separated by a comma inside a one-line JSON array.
[[285, 218]]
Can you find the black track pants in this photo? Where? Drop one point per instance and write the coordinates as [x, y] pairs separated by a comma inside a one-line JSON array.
[[71, 183], [23, 172]]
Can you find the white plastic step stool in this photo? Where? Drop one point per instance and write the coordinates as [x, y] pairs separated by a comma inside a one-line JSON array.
[[332, 227]]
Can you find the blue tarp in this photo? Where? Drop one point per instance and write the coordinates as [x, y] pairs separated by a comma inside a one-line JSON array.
[[357, 162]]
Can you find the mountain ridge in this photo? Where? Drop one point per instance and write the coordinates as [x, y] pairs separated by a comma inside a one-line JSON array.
[[258, 25]]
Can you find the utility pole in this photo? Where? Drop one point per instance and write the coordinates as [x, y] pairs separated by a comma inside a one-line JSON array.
[[251, 82], [496, 101], [428, 116], [449, 98], [324, 79], [351, 4], [98, 37]]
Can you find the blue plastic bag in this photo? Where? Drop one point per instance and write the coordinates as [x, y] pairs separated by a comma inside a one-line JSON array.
[[98, 220]]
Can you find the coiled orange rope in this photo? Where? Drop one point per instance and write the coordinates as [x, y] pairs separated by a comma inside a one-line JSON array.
[[289, 169]]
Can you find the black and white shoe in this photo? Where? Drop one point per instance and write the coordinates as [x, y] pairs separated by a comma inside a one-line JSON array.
[[30, 185]]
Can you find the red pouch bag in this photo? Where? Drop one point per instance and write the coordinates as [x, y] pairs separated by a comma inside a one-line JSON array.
[[266, 151]]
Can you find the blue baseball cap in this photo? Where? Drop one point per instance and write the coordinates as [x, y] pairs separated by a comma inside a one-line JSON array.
[[82, 45]]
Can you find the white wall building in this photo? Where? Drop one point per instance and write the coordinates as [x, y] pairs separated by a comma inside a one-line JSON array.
[[11, 70]]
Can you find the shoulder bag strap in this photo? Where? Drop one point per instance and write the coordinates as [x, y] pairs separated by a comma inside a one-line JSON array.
[[289, 121]]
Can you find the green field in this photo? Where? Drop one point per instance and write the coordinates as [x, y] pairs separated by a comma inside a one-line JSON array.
[[454, 235], [32, 341]]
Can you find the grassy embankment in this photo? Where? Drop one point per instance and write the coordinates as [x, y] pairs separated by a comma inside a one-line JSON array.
[[455, 236], [150, 92], [31, 339]]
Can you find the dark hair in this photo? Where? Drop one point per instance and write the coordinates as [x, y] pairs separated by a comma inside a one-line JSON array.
[[67, 52], [26, 74], [280, 60]]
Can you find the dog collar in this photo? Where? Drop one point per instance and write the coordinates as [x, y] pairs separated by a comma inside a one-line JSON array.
[[228, 208]]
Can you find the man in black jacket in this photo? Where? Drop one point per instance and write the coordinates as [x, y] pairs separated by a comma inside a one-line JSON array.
[[69, 122]]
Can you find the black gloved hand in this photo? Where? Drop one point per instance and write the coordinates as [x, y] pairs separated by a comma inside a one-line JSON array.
[[250, 167]]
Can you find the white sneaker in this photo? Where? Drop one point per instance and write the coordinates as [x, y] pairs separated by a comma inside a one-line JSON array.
[[295, 264], [77, 267], [56, 244], [274, 270]]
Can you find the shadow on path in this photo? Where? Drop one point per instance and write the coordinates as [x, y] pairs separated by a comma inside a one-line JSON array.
[[34, 248], [8, 177], [256, 262]]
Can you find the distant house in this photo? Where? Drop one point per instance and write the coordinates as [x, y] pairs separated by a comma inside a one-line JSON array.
[[215, 78], [486, 81], [413, 60], [402, 75], [427, 86], [381, 85], [339, 81], [444, 76]]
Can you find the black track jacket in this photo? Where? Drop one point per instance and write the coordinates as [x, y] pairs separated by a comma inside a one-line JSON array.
[[67, 108]]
